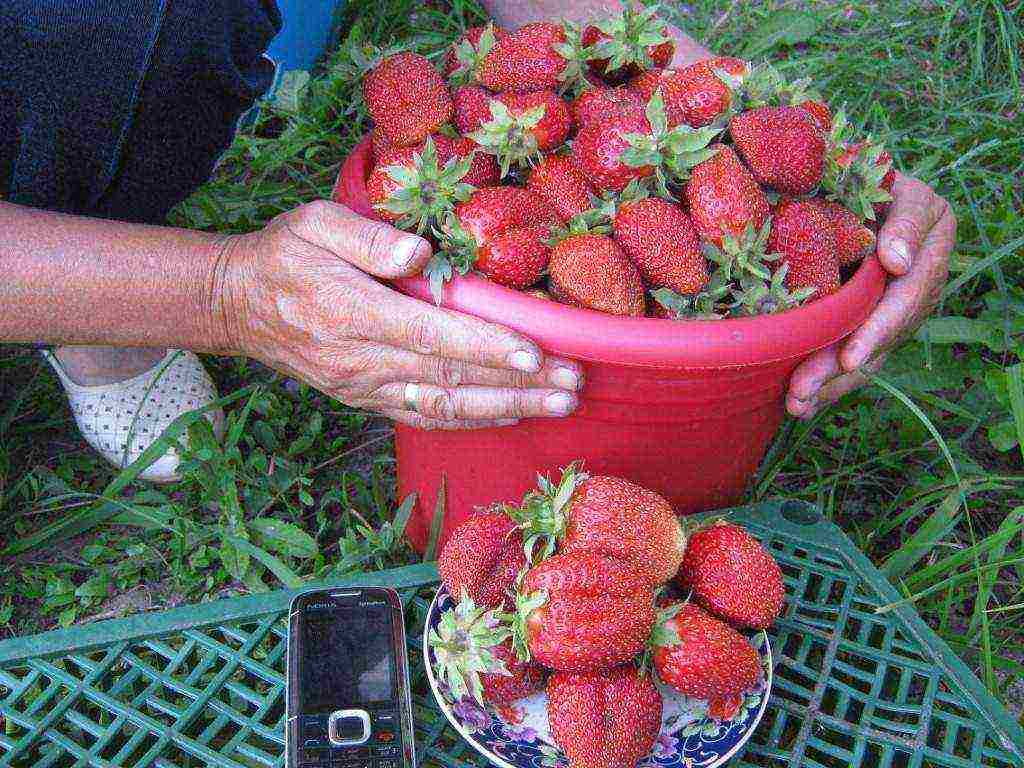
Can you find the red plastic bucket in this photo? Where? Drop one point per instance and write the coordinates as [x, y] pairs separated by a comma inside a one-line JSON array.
[[685, 408]]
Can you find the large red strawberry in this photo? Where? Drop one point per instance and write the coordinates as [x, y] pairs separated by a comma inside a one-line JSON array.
[[583, 612], [628, 43], [407, 98], [599, 148], [592, 271], [412, 188], [516, 258], [604, 719], [733, 576], [661, 240], [526, 60], [783, 147], [700, 656], [563, 186], [472, 648], [614, 517], [483, 557], [524, 125], [694, 95], [598, 104], [723, 197], [806, 239], [854, 241], [472, 107], [492, 211], [379, 144], [462, 62]]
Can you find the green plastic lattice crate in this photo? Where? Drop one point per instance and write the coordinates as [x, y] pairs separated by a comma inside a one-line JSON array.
[[204, 685]]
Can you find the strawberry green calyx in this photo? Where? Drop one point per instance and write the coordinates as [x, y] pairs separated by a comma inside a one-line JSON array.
[[673, 152], [757, 296], [510, 137], [542, 513], [525, 606], [457, 254], [662, 635], [629, 35], [855, 176], [572, 79], [705, 305], [596, 221], [469, 57], [743, 255], [426, 192], [463, 643]]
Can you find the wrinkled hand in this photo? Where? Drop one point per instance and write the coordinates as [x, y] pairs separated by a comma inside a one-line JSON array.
[[914, 246], [299, 297]]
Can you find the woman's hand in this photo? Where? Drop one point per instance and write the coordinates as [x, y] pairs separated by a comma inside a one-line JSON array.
[[914, 246], [299, 297]]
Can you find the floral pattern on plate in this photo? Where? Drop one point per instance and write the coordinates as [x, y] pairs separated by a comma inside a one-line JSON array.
[[517, 736]]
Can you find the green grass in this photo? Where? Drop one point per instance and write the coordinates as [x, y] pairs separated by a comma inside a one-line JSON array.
[[923, 469]]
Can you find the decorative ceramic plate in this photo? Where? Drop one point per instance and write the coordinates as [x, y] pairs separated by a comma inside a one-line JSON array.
[[517, 736]]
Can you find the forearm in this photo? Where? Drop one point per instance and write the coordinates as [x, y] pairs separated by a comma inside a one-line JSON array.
[[74, 280], [515, 13]]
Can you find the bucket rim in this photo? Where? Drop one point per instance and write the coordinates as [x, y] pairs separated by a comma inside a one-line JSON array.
[[592, 336]]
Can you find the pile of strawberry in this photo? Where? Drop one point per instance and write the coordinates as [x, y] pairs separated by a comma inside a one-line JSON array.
[[569, 593], [572, 162]]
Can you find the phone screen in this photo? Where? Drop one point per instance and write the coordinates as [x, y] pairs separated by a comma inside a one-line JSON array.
[[347, 656]]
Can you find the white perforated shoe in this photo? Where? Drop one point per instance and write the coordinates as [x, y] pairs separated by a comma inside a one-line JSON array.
[[121, 420]]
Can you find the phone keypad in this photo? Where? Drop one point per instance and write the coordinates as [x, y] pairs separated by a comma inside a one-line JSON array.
[[382, 750]]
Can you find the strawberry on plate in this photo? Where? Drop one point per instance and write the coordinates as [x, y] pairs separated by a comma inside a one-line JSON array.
[[407, 98], [607, 516], [604, 719], [473, 649], [614, 517], [483, 557], [582, 612], [701, 656], [733, 576]]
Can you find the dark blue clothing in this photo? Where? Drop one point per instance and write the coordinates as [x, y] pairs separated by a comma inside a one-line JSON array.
[[121, 108]]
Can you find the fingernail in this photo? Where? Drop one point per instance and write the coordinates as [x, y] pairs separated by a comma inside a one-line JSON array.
[[405, 251], [559, 404], [507, 422], [565, 378], [524, 360], [901, 252]]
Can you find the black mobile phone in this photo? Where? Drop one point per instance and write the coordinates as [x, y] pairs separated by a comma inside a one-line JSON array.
[[348, 681]]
